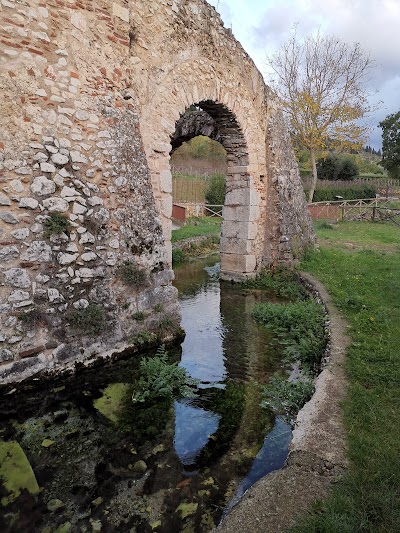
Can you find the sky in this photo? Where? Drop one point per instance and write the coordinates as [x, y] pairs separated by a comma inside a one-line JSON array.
[[263, 25]]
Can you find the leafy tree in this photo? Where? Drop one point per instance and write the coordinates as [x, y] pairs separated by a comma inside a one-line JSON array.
[[320, 83], [391, 144]]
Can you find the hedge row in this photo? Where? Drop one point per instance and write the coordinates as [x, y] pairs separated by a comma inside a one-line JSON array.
[[348, 193]]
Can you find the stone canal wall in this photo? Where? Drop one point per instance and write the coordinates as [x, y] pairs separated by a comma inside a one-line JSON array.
[[91, 92]]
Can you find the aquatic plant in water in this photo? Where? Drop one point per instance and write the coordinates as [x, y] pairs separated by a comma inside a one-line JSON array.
[[161, 380], [287, 397]]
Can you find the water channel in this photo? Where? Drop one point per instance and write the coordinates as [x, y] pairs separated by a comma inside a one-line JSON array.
[[82, 459]]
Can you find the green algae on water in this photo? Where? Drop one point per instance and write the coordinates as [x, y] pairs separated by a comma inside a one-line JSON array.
[[187, 509], [16, 472], [110, 404]]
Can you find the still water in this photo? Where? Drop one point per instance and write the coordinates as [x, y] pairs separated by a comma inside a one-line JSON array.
[[75, 455]]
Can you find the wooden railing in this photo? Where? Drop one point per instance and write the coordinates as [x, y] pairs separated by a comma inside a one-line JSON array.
[[375, 209]]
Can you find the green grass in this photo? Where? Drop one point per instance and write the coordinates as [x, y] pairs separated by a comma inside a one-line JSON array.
[[196, 227], [369, 235], [365, 285]]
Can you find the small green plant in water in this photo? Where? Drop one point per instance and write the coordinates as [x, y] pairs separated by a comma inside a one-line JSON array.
[[56, 223], [281, 281], [131, 274], [300, 326], [91, 320], [161, 380], [287, 397]]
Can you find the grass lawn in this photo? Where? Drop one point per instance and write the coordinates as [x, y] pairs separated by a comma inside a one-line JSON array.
[[196, 227], [371, 235], [359, 263]]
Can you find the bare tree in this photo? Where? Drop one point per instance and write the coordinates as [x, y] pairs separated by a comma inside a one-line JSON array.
[[321, 83]]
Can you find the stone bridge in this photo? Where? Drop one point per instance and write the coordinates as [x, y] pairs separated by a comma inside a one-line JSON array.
[[92, 93]]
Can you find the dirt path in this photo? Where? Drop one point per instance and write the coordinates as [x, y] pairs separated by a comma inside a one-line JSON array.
[[317, 454]]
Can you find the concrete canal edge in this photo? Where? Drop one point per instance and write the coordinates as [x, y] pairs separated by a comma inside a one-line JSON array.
[[317, 456]]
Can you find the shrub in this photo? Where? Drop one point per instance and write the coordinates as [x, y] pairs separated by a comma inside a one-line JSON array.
[[91, 320], [34, 318], [160, 379], [300, 326], [131, 274], [334, 167], [328, 168], [215, 192], [166, 325], [56, 223], [348, 169], [143, 337]]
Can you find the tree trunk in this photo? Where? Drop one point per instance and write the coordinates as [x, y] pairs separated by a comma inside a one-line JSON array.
[[314, 175]]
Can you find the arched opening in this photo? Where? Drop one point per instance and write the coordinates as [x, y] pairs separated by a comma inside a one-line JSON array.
[[241, 205]]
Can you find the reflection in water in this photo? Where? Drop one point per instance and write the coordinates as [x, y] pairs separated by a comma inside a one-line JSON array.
[[193, 427], [271, 457], [224, 347], [202, 349]]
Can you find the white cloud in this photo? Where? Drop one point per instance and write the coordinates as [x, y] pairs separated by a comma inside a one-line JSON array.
[[263, 25]]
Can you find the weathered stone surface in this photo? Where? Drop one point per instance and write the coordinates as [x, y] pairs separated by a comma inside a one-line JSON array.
[[8, 217], [54, 296], [88, 256], [43, 186], [4, 200], [8, 252], [18, 296], [66, 259], [56, 204], [59, 159], [38, 251], [28, 203], [77, 157], [5, 355], [17, 277], [20, 234], [47, 167], [101, 137]]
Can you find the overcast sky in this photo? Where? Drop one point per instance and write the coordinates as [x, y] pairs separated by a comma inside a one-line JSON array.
[[263, 25]]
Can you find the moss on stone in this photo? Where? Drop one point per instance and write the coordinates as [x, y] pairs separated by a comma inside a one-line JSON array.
[[111, 402], [187, 509], [15, 472]]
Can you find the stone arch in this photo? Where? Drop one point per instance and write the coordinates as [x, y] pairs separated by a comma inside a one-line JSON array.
[[92, 94], [242, 132], [216, 121]]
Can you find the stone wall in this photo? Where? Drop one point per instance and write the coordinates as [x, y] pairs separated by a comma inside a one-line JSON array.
[[91, 92]]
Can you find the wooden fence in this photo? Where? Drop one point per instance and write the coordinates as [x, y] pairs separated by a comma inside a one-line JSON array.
[[376, 209], [188, 190]]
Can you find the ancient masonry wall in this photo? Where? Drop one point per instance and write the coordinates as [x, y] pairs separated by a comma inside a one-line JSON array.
[[71, 145], [90, 94]]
